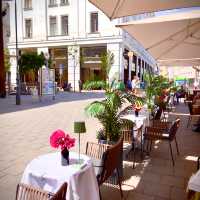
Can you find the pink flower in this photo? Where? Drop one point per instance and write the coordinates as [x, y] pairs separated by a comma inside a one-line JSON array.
[[59, 138]]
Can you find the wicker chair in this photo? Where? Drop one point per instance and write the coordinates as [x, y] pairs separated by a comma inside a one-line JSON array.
[[96, 150], [161, 124], [138, 136], [128, 143], [109, 160], [194, 112], [27, 192], [153, 133]]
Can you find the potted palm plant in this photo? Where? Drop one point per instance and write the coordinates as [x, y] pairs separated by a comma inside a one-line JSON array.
[[157, 89], [107, 112]]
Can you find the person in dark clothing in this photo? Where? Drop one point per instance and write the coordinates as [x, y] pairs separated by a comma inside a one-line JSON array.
[[129, 85], [180, 93], [80, 84]]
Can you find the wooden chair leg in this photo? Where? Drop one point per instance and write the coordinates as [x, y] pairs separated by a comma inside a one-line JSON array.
[[177, 149], [133, 158], [148, 146], [100, 193], [119, 182], [151, 145], [189, 121], [171, 153], [141, 146]]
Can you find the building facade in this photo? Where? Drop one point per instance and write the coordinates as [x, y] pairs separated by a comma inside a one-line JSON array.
[[74, 34]]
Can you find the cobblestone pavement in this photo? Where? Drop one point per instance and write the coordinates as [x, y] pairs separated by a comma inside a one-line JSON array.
[[25, 130]]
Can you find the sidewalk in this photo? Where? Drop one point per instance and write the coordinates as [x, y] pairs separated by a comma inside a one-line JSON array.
[[25, 131]]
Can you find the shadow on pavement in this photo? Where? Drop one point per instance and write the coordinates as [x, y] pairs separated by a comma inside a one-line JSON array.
[[8, 104]]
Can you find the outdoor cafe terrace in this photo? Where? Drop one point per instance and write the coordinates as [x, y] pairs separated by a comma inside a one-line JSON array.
[[153, 178]]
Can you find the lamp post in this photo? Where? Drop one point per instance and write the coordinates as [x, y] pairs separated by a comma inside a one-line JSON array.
[[18, 89], [2, 68], [73, 53], [130, 56], [74, 71]]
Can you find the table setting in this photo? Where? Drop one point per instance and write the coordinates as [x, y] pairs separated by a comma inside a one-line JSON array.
[[50, 171]]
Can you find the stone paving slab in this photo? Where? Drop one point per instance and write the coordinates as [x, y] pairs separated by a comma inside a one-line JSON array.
[[25, 131]]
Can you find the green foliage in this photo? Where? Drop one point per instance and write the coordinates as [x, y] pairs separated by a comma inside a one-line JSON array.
[[6, 60], [155, 87], [31, 61], [94, 85], [107, 59], [106, 111]]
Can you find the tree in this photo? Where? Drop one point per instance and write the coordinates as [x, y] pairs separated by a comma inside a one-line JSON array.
[[157, 88], [107, 59], [6, 60], [30, 61]]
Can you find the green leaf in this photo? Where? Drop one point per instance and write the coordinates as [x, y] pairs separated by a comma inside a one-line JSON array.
[[95, 109]]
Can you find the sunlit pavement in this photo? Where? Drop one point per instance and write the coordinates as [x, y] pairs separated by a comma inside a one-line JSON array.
[[155, 178], [25, 131]]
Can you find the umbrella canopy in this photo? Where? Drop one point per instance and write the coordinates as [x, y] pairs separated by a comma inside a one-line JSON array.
[[120, 8], [180, 62], [172, 38]]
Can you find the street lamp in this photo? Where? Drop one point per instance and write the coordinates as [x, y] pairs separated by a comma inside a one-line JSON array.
[[18, 89], [73, 53]]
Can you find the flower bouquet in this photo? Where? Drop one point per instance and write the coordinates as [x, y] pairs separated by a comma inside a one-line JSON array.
[[137, 106], [59, 139]]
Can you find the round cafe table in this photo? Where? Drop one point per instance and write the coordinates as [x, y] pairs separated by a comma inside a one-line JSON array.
[[46, 172]]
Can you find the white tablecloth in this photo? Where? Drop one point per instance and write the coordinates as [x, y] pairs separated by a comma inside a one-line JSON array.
[[194, 182], [47, 173], [142, 119]]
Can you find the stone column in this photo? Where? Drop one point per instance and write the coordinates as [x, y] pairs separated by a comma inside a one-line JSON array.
[[117, 68], [74, 66], [137, 65], [130, 56], [13, 67]]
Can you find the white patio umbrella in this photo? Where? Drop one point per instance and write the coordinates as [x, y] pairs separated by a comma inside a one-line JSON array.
[[172, 38], [120, 8]]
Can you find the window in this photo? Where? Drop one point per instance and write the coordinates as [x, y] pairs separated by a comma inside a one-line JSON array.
[[94, 22], [53, 26], [64, 24], [64, 2], [27, 4], [52, 3], [28, 28]]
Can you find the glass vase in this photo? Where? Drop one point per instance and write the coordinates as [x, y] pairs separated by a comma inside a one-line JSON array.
[[65, 157], [136, 113]]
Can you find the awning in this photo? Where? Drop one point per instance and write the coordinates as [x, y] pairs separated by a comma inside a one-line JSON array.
[[120, 8], [172, 38]]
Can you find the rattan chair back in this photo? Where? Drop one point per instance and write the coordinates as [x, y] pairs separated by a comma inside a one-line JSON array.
[[127, 130], [27, 192], [111, 160], [96, 150]]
